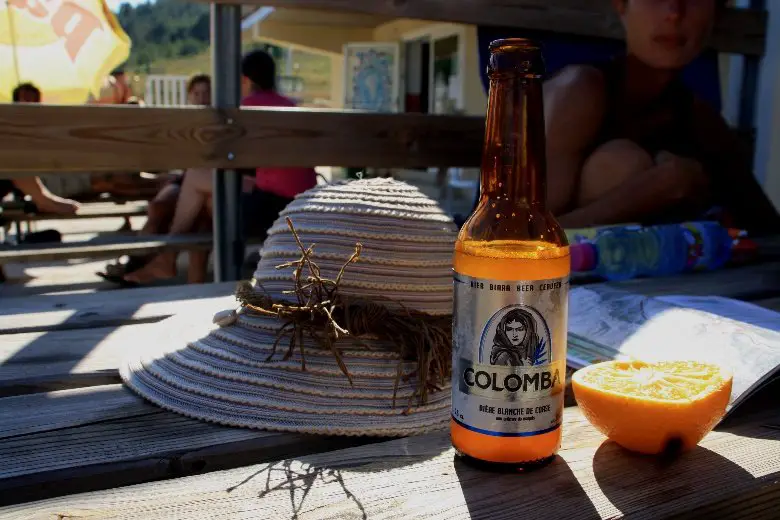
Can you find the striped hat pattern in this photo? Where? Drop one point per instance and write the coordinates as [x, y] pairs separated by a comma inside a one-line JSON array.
[[223, 374]]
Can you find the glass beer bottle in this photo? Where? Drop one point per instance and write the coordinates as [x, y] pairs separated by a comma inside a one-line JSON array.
[[511, 285]]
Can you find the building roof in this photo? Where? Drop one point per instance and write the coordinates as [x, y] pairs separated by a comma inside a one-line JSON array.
[[253, 15]]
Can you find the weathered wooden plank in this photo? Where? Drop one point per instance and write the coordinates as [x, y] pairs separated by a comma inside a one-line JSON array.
[[103, 247], [100, 437], [419, 477], [109, 308], [61, 359], [58, 359], [769, 303], [739, 31], [743, 283], [768, 247], [104, 211], [69, 408], [79, 138]]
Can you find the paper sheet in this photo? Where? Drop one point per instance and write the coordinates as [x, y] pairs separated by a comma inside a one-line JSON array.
[[607, 323]]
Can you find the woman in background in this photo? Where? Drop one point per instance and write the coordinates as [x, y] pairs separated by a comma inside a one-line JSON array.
[[263, 199], [44, 200], [162, 209], [628, 142]]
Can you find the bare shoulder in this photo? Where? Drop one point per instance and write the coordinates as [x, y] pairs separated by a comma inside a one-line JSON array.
[[574, 105], [578, 80]]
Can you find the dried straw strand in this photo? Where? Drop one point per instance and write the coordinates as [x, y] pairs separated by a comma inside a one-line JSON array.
[[325, 316]]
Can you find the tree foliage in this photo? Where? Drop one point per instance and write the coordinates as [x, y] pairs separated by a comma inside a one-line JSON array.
[[163, 30]]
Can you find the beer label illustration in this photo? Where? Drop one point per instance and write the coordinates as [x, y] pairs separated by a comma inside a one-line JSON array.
[[509, 355]]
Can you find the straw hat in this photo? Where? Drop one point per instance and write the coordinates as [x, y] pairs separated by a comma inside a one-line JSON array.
[[232, 374]]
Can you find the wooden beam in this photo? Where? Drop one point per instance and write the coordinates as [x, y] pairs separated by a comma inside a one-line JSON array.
[[739, 31], [77, 139]]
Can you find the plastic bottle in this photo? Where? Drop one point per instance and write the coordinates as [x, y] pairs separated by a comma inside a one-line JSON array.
[[624, 253]]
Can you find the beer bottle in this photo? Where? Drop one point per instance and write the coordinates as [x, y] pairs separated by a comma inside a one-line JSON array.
[[511, 283]]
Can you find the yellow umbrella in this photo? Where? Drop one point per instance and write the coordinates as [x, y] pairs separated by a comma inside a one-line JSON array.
[[65, 47]]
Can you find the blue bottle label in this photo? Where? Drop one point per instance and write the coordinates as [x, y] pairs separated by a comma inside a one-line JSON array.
[[697, 259]]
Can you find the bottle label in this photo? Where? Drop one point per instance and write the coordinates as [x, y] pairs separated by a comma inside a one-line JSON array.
[[694, 237], [509, 355]]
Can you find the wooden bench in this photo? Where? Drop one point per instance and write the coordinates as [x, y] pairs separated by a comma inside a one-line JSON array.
[[16, 215], [102, 248], [87, 211]]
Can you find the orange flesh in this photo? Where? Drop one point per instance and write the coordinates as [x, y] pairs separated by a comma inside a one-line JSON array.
[[518, 261], [653, 407]]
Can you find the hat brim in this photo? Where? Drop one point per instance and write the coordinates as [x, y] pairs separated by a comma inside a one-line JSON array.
[[224, 376]]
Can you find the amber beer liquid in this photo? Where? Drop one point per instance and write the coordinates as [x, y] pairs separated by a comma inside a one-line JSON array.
[[511, 283]]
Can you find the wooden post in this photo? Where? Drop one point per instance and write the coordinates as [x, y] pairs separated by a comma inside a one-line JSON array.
[[225, 59]]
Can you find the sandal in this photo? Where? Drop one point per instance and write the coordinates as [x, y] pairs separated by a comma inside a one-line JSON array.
[[115, 273]]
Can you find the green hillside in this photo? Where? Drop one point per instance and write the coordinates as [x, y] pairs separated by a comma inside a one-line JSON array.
[[164, 30], [172, 37]]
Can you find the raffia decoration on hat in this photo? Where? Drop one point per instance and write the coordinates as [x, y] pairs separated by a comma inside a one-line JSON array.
[[344, 329]]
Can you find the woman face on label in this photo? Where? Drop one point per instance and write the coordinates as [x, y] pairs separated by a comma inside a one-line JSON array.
[[515, 331]]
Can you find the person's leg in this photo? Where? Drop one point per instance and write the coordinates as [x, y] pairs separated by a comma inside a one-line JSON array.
[[609, 166], [44, 200], [195, 192], [194, 195], [199, 258], [161, 210]]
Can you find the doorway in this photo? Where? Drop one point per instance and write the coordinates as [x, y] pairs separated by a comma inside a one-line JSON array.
[[434, 59], [417, 84]]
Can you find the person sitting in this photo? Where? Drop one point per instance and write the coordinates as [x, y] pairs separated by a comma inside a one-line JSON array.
[[44, 200], [272, 190], [162, 209], [115, 90], [628, 142], [26, 93]]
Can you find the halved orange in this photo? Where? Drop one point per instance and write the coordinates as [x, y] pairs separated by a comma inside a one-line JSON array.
[[653, 407]]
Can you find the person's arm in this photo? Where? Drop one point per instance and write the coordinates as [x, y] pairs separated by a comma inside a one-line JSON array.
[[728, 164], [574, 105], [46, 201], [671, 182]]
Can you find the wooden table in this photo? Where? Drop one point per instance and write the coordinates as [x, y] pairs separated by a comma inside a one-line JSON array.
[[74, 443]]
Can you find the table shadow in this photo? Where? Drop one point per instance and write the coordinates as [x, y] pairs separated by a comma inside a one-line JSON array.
[[761, 406], [297, 477], [548, 492], [636, 483]]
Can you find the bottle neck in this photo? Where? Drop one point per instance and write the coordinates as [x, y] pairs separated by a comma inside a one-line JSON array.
[[513, 157]]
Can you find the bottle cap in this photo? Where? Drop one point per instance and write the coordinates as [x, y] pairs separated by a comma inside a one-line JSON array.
[[583, 257]]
